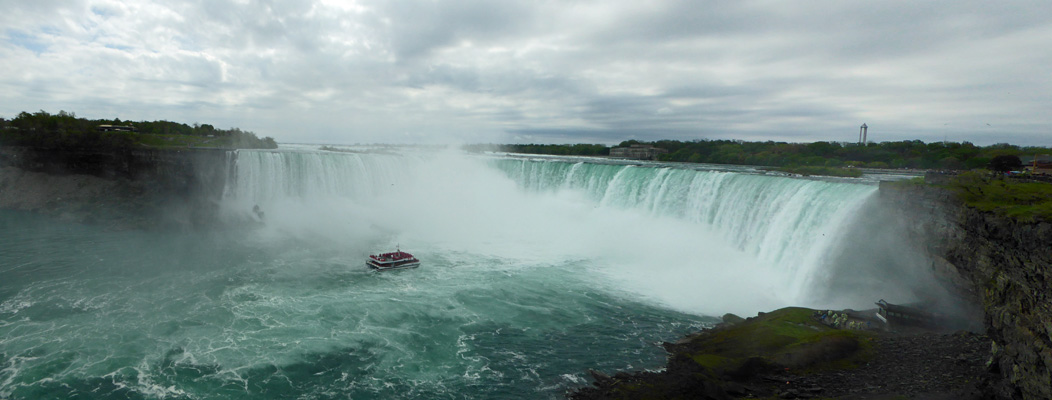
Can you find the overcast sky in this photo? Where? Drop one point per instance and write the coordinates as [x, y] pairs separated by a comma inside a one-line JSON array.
[[576, 71]]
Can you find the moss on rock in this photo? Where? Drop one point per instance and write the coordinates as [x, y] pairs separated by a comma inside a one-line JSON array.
[[710, 361]]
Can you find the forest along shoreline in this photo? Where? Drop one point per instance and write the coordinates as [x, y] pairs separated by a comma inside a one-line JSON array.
[[121, 174]]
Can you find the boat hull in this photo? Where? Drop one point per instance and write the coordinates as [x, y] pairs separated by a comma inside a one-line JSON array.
[[392, 266]]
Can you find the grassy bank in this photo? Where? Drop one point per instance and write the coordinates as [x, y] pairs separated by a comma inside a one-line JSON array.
[[1024, 201], [1017, 198], [789, 337]]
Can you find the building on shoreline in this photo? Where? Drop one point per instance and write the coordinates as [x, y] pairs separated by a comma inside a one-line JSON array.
[[637, 152], [1041, 164], [116, 128]]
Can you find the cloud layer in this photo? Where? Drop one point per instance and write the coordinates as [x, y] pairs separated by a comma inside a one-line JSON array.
[[436, 71]]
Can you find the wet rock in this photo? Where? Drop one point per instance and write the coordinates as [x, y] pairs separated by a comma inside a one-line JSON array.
[[128, 189], [600, 378], [735, 389], [1003, 263], [732, 319]]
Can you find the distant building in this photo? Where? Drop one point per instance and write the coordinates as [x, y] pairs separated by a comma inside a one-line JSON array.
[[116, 128], [637, 152], [1041, 164]]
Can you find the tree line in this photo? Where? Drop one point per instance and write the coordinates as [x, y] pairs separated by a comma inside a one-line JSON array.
[[65, 129], [901, 154]]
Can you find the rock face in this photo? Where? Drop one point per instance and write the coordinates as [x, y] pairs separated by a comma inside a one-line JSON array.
[[1006, 265], [126, 188]]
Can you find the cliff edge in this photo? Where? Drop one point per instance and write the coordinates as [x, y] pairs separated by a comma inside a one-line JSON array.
[[1008, 265], [124, 189], [1000, 263]]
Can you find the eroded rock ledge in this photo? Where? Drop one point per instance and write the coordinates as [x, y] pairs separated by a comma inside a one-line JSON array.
[[795, 353], [1008, 264], [126, 189]]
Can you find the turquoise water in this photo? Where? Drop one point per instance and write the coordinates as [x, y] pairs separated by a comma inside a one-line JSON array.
[[93, 314], [533, 272]]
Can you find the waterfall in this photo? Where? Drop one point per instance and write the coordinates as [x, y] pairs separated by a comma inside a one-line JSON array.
[[532, 272], [783, 221], [730, 231], [267, 176]]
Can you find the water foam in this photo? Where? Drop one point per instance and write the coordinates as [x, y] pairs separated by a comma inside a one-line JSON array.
[[534, 271], [699, 241]]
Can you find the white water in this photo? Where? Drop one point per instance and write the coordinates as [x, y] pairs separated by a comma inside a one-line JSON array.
[[533, 271], [697, 241]]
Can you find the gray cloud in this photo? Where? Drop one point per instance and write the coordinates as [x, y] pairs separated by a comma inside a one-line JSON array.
[[416, 29], [541, 71]]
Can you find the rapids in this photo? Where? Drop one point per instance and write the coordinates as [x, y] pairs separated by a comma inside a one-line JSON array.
[[534, 270]]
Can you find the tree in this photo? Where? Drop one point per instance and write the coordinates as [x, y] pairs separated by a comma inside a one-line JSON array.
[[951, 163], [1005, 163]]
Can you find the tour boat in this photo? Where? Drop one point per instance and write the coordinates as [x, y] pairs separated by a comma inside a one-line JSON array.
[[396, 260]]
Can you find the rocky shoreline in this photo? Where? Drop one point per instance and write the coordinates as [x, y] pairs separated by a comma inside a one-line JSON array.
[[1006, 263], [869, 364], [74, 198], [924, 365], [999, 264]]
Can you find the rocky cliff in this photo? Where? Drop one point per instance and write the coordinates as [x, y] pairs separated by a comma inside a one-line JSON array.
[[997, 264], [1005, 265], [122, 188]]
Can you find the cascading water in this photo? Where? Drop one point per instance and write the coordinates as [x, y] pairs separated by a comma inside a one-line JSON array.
[[533, 271], [785, 225]]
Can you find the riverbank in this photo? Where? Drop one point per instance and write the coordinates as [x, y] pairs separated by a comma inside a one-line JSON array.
[[793, 353]]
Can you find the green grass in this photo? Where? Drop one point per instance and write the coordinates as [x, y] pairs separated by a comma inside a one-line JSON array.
[[915, 181], [789, 337], [711, 361], [1023, 201], [786, 338]]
